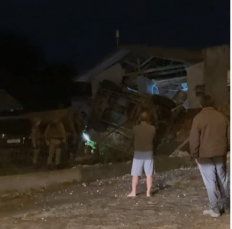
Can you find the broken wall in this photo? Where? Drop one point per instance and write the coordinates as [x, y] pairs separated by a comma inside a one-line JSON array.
[[195, 77], [217, 65]]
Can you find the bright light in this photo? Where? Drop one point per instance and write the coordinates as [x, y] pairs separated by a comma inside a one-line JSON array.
[[3, 135], [86, 137]]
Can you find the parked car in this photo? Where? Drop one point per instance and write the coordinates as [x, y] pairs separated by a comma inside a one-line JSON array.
[[15, 132]]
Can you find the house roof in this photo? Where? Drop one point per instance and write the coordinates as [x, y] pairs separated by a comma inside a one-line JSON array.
[[7, 102], [107, 62], [182, 55], [177, 54]]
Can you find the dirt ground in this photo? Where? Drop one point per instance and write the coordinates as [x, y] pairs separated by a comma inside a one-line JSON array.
[[178, 200]]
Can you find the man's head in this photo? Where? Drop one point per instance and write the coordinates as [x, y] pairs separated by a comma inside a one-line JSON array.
[[206, 101], [144, 116]]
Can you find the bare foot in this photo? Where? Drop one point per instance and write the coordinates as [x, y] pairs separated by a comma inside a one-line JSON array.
[[148, 194], [132, 194]]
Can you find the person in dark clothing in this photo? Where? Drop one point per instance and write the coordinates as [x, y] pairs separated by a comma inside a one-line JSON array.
[[144, 135], [209, 144]]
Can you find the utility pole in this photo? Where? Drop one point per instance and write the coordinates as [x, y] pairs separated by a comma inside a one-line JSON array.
[[117, 37]]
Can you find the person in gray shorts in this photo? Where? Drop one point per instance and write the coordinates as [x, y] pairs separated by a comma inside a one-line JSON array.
[[144, 135]]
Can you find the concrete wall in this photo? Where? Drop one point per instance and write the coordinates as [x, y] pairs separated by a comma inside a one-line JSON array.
[[114, 74], [80, 174], [217, 64], [195, 76]]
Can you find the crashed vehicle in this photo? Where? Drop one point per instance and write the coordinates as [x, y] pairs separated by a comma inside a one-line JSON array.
[[116, 110]]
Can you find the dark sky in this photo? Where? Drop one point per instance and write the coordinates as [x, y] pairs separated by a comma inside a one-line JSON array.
[[82, 31]]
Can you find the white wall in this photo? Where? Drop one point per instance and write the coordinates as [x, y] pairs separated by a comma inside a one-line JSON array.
[[217, 65], [114, 74], [195, 76]]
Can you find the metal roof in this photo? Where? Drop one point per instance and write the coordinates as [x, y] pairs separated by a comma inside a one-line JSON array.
[[177, 54], [183, 55], [101, 66]]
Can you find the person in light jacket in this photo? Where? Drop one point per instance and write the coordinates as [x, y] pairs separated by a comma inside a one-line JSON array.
[[55, 136]]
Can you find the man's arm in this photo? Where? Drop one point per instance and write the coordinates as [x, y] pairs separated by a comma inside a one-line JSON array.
[[133, 138], [63, 133], [46, 134], [194, 139]]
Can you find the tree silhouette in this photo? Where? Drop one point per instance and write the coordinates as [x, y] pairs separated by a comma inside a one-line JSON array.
[[19, 58], [35, 83]]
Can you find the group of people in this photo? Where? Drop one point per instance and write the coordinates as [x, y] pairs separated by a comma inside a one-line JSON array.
[[209, 145], [54, 137]]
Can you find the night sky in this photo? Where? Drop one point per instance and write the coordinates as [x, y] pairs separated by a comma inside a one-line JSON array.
[[82, 31]]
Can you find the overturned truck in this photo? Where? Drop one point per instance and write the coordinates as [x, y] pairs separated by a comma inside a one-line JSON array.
[[116, 110]]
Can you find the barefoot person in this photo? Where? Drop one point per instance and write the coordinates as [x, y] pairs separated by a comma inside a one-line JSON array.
[[144, 134], [209, 144]]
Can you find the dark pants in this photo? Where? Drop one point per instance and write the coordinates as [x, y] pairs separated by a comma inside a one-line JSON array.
[[213, 171]]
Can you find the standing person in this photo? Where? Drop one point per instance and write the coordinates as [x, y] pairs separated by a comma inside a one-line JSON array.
[[209, 144], [55, 136], [36, 140], [144, 135]]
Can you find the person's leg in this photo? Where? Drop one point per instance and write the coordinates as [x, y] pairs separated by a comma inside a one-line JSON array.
[[51, 153], [58, 155], [208, 172], [135, 180], [35, 156], [222, 178], [149, 168], [136, 171]]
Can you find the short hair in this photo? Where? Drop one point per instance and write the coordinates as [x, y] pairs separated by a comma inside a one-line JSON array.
[[144, 116], [206, 101]]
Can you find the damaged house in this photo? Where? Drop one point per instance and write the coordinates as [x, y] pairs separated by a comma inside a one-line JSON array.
[[165, 80], [166, 71]]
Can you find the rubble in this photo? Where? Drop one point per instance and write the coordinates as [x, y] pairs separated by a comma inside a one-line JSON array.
[[116, 110]]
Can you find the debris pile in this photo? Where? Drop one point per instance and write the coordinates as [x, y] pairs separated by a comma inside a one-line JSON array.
[[116, 110]]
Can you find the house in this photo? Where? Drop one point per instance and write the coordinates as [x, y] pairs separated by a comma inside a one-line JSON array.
[[165, 71]]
